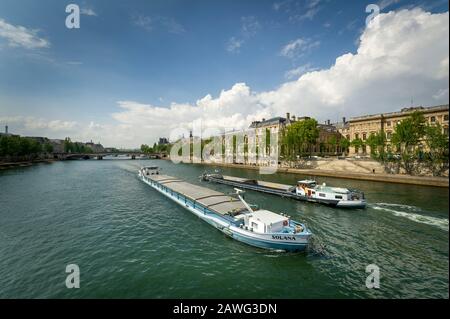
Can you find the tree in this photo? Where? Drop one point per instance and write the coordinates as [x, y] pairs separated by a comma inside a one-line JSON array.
[[68, 145], [146, 149], [406, 137], [357, 143], [377, 143], [16, 146], [332, 141], [436, 158], [345, 144], [409, 131], [48, 148], [308, 128]]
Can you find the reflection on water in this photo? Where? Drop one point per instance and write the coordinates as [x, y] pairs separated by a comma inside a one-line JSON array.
[[129, 241]]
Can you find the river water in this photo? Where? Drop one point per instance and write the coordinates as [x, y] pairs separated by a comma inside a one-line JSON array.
[[131, 242]]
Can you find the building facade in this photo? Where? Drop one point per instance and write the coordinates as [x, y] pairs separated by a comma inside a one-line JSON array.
[[363, 126]]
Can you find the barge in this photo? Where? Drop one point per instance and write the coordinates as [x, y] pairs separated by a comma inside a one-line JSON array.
[[231, 214], [305, 190]]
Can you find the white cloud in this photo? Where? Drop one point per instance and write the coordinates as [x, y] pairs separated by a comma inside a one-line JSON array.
[[298, 11], [249, 27], [19, 36], [297, 48], [167, 24], [441, 94], [144, 22], [234, 45], [297, 72], [406, 56], [88, 12]]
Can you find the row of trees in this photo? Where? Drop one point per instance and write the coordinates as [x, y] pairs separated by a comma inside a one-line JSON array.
[[164, 148], [415, 145], [75, 147], [16, 146]]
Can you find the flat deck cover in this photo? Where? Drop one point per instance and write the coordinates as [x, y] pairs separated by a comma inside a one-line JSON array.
[[215, 201], [261, 183]]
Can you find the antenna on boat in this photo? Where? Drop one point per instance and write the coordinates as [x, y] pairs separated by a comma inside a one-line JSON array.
[[238, 193]]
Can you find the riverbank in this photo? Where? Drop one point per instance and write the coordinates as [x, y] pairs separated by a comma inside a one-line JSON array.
[[376, 177], [24, 163]]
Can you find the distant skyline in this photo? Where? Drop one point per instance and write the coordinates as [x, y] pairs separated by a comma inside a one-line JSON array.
[[135, 70]]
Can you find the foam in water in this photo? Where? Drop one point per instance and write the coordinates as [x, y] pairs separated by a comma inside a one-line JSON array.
[[410, 212]]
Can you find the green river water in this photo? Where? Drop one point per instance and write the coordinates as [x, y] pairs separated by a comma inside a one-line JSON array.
[[131, 242]]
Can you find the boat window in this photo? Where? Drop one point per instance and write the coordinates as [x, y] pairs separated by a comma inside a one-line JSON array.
[[338, 197], [322, 195], [255, 225]]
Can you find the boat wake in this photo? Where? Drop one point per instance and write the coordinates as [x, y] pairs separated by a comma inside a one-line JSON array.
[[316, 248], [412, 213]]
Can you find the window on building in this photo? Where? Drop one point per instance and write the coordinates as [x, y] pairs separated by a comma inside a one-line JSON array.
[[347, 137], [446, 131], [364, 136], [388, 123], [389, 135], [446, 117], [433, 119], [356, 136]]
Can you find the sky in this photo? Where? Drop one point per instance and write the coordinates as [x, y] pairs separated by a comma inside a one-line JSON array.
[[138, 70]]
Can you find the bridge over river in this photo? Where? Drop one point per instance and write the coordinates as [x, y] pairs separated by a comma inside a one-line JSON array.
[[101, 156]]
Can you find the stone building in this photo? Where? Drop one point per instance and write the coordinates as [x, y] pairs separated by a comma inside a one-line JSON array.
[[95, 147], [362, 126], [163, 141]]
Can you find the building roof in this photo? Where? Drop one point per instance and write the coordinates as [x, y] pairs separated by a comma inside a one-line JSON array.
[[402, 112], [272, 121], [327, 127]]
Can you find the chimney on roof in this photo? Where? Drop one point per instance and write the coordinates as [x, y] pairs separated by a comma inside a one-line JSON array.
[[328, 122], [263, 119], [288, 116], [343, 120], [293, 118], [6, 129]]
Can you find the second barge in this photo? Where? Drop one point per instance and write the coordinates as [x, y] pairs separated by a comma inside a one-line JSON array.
[[306, 190]]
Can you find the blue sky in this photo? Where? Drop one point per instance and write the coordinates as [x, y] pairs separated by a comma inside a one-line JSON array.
[[163, 52]]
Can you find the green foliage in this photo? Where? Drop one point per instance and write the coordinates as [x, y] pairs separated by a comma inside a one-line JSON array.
[[409, 131], [48, 148], [300, 137], [357, 143], [333, 142], [19, 146], [436, 158], [345, 144], [76, 147], [146, 149], [406, 138], [377, 143]]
